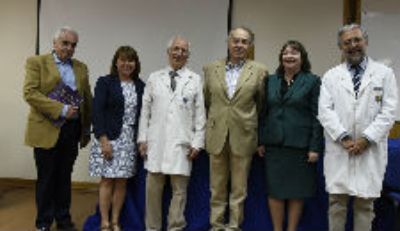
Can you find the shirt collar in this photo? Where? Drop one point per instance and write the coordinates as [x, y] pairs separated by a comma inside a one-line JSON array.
[[234, 66], [179, 71], [362, 64], [58, 61]]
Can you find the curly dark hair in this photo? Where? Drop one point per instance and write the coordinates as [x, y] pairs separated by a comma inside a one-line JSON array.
[[129, 53], [305, 62]]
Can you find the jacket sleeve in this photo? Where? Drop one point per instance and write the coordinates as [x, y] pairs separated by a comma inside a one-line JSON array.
[[383, 122], [199, 118], [33, 94], [87, 109], [327, 115], [145, 113], [262, 126], [206, 89], [260, 95], [316, 134], [100, 107]]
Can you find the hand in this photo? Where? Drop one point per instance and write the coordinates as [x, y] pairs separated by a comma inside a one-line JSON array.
[[143, 150], [261, 150], [359, 146], [106, 148], [193, 153], [312, 157], [348, 144], [72, 112]]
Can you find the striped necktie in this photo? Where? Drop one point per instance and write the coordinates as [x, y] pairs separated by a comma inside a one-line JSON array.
[[357, 78]]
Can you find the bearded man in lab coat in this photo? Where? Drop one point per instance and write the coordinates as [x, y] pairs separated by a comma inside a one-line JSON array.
[[357, 107], [171, 134]]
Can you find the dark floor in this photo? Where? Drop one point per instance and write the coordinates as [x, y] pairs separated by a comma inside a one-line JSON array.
[[17, 204]]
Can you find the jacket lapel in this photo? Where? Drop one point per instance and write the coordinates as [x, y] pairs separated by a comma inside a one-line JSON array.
[[298, 84], [53, 70], [78, 72], [220, 72], [244, 76], [367, 77], [345, 79]]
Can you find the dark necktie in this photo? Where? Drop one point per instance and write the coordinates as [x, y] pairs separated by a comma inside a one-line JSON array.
[[173, 74], [356, 78]]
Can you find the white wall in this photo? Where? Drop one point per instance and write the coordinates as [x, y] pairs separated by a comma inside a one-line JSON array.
[[313, 22], [382, 24], [17, 41]]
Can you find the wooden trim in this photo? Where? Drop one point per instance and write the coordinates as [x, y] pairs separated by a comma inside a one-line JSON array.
[[18, 182], [251, 52], [395, 131], [351, 11]]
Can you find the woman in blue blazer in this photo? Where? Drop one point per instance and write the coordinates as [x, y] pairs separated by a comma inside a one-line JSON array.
[[290, 135], [116, 109]]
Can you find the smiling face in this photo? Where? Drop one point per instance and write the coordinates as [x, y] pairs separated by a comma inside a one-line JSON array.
[[64, 45], [238, 45], [353, 46], [291, 59], [178, 53], [125, 67]]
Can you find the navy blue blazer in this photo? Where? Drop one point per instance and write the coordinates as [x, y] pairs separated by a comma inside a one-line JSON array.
[[108, 106]]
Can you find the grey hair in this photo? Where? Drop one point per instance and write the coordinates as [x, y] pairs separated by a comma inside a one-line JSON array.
[[172, 40], [63, 30], [248, 30], [350, 27]]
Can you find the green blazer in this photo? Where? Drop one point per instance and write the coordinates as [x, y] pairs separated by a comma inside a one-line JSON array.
[[41, 77], [238, 116], [291, 120]]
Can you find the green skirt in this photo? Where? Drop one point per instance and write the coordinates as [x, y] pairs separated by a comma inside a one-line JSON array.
[[288, 174]]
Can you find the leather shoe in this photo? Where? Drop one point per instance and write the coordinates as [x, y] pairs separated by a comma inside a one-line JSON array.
[[69, 226]]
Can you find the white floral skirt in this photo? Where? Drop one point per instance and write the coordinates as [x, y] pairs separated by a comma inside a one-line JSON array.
[[123, 162]]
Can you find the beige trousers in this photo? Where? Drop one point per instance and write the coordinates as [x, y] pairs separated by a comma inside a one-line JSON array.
[[362, 209], [154, 190], [223, 167]]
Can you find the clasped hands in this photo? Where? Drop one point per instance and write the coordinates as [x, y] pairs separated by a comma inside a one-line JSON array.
[[192, 154], [355, 147]]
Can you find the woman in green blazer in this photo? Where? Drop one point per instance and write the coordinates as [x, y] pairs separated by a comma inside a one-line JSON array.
[[290, 134]]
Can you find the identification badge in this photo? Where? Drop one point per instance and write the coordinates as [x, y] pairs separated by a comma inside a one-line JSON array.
[[378, 98]]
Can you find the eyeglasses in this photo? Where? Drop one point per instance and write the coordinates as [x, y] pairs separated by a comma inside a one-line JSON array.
[[68, 43], [351, 41], [181, 50]]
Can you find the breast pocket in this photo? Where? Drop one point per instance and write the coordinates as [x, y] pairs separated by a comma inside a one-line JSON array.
[[376, 99], [187, 98]]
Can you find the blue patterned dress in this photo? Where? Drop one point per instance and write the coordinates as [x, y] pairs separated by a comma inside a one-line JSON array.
[[122, 164]]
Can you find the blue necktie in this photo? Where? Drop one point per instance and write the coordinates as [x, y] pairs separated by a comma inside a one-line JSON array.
[[357, 78]]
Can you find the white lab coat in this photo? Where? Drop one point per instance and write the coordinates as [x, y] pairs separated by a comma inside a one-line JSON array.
[[371, 115], [172, 122]]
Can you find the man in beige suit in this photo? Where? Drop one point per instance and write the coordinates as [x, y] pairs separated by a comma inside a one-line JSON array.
[[55, 144], [233, 91]]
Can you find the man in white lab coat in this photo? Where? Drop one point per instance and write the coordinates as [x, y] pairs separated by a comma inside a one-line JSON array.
[[171, 133], [357, 107]]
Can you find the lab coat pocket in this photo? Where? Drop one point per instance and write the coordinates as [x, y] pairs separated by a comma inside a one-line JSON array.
[[376, 101]]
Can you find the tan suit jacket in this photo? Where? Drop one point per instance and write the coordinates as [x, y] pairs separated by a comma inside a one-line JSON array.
[[41, 77], [238, 116]]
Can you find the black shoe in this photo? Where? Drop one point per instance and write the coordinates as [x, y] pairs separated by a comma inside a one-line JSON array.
[[69, 226]]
